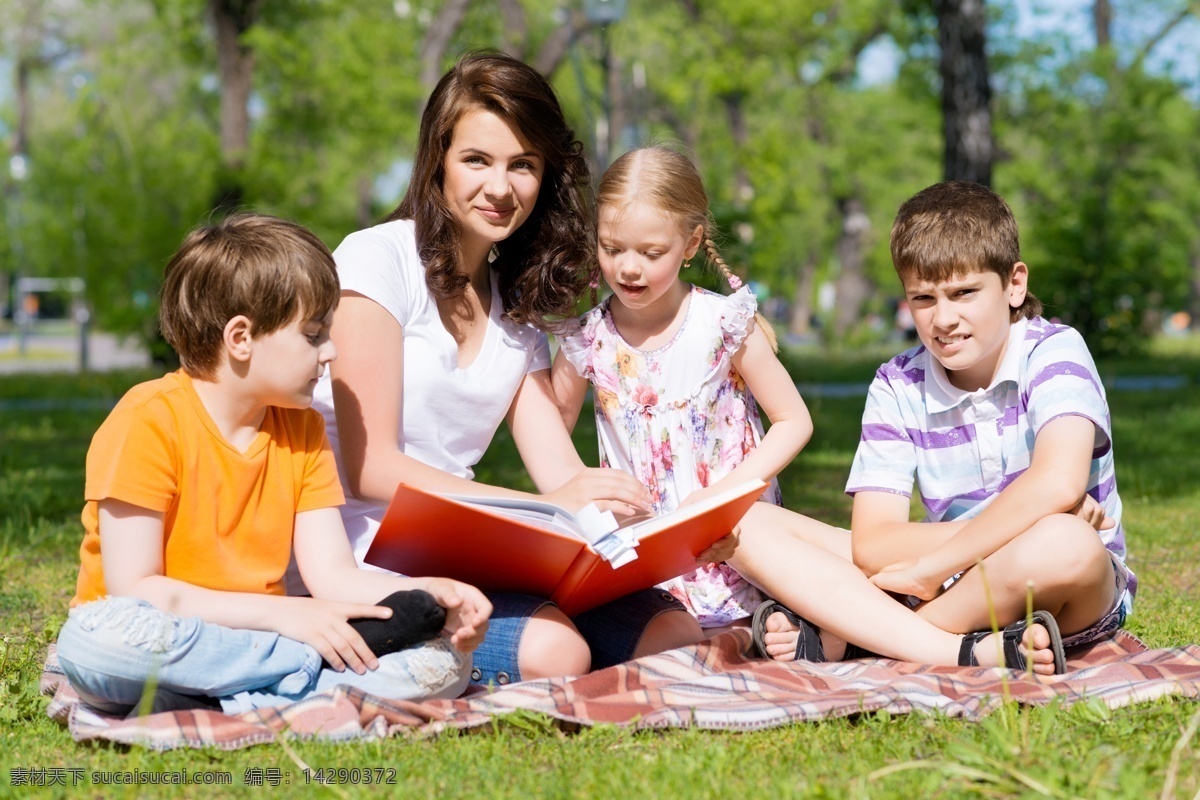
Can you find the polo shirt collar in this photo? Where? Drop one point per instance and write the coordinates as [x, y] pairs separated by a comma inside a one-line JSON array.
[[941, 395]]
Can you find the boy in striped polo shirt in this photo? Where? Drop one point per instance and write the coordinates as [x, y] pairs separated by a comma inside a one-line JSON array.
[[1001, 418]]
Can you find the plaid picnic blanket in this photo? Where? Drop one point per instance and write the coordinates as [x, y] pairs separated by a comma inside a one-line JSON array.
[[714, 685]]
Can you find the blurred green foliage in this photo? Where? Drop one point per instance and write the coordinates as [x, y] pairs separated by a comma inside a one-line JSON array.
[[1100, 157]]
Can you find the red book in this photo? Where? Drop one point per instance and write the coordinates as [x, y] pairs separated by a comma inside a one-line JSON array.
[[501, 544]]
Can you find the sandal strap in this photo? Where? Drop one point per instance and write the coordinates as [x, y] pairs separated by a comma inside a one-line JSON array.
[[808, 636], [808, 642], [966, 650], [1010, 643], [1014, 656]]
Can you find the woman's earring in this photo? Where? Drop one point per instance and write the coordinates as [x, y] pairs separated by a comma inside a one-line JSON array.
[[687, 264]]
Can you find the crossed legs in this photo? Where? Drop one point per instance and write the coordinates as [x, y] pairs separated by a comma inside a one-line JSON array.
[[806, 565]]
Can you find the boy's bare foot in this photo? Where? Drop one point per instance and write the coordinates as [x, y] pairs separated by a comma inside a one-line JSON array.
[[781, 637], [988, 651]]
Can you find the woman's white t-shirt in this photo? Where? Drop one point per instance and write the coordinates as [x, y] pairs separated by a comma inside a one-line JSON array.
[[448, 415]]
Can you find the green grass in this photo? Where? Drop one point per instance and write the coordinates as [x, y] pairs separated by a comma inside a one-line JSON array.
[[1082, 751]]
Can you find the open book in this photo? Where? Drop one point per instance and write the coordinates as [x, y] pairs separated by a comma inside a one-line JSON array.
[[502, 544]]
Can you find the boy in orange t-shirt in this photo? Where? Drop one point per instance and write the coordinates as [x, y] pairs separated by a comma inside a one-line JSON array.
[[200, 486]]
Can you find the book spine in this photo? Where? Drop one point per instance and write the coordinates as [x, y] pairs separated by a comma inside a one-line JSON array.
[[575, 575]]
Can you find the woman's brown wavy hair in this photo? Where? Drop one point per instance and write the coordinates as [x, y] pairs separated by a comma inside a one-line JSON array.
[[542, 265]]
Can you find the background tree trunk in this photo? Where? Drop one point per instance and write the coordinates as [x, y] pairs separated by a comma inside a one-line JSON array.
[[853, 287], [743, 187], [800, 323], [966, 92], [1102, 21], [1194, 291], [554, 49], [437, 39], [235, 68]]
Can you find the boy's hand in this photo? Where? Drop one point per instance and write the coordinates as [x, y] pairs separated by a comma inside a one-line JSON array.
[[909, 577], [1093, 514], [324, 625], [467, 611], [722, 549]]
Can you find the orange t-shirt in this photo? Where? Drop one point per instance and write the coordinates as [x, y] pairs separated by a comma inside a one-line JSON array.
[[228, 516]]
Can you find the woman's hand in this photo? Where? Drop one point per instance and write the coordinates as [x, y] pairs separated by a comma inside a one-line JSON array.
[[610, 489]]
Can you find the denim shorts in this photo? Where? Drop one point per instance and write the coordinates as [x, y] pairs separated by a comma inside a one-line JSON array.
[[612, 631]]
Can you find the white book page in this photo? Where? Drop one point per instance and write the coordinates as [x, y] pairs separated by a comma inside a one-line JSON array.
[[534, 507], [589, 524]]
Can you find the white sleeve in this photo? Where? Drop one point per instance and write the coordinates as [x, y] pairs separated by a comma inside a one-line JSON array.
[[737, 318], [1062, 381], [886, 457], [381, 264]]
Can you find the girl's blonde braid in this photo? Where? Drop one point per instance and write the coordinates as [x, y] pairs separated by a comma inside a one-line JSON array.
[[710, 247], [735, 283]]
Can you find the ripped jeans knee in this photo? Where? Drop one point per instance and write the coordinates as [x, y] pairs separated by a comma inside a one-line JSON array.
[[112, 649], [128, 622]]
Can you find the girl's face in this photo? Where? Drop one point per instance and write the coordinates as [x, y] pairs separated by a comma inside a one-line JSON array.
[[493, 175], [641, 251]]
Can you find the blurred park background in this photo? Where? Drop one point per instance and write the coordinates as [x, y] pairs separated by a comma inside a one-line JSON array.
[[127, 122]]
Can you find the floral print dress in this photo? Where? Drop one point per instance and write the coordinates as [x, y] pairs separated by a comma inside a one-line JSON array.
[[679, 418]]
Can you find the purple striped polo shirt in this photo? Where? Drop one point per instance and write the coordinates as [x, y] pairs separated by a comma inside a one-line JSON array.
[[963, 448]]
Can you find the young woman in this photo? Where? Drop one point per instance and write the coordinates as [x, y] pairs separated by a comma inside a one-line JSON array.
[[439, 336]]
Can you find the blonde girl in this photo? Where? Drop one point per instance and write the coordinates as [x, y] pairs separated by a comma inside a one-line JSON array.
[[679, 371]]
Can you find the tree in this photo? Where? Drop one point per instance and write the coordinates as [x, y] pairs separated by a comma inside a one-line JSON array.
[[312, 114], [38, 37], [966, 90], [232, 21], [1105, 166]]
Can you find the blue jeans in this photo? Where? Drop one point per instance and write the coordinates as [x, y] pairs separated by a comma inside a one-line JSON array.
[[612, 631], [111, 650]]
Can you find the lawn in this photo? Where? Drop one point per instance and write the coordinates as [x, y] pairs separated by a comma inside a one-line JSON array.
[[1087, 751]]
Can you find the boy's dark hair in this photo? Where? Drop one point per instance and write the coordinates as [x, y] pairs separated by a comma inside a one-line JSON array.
[[956, 228], [268, 269], [541, 263]]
